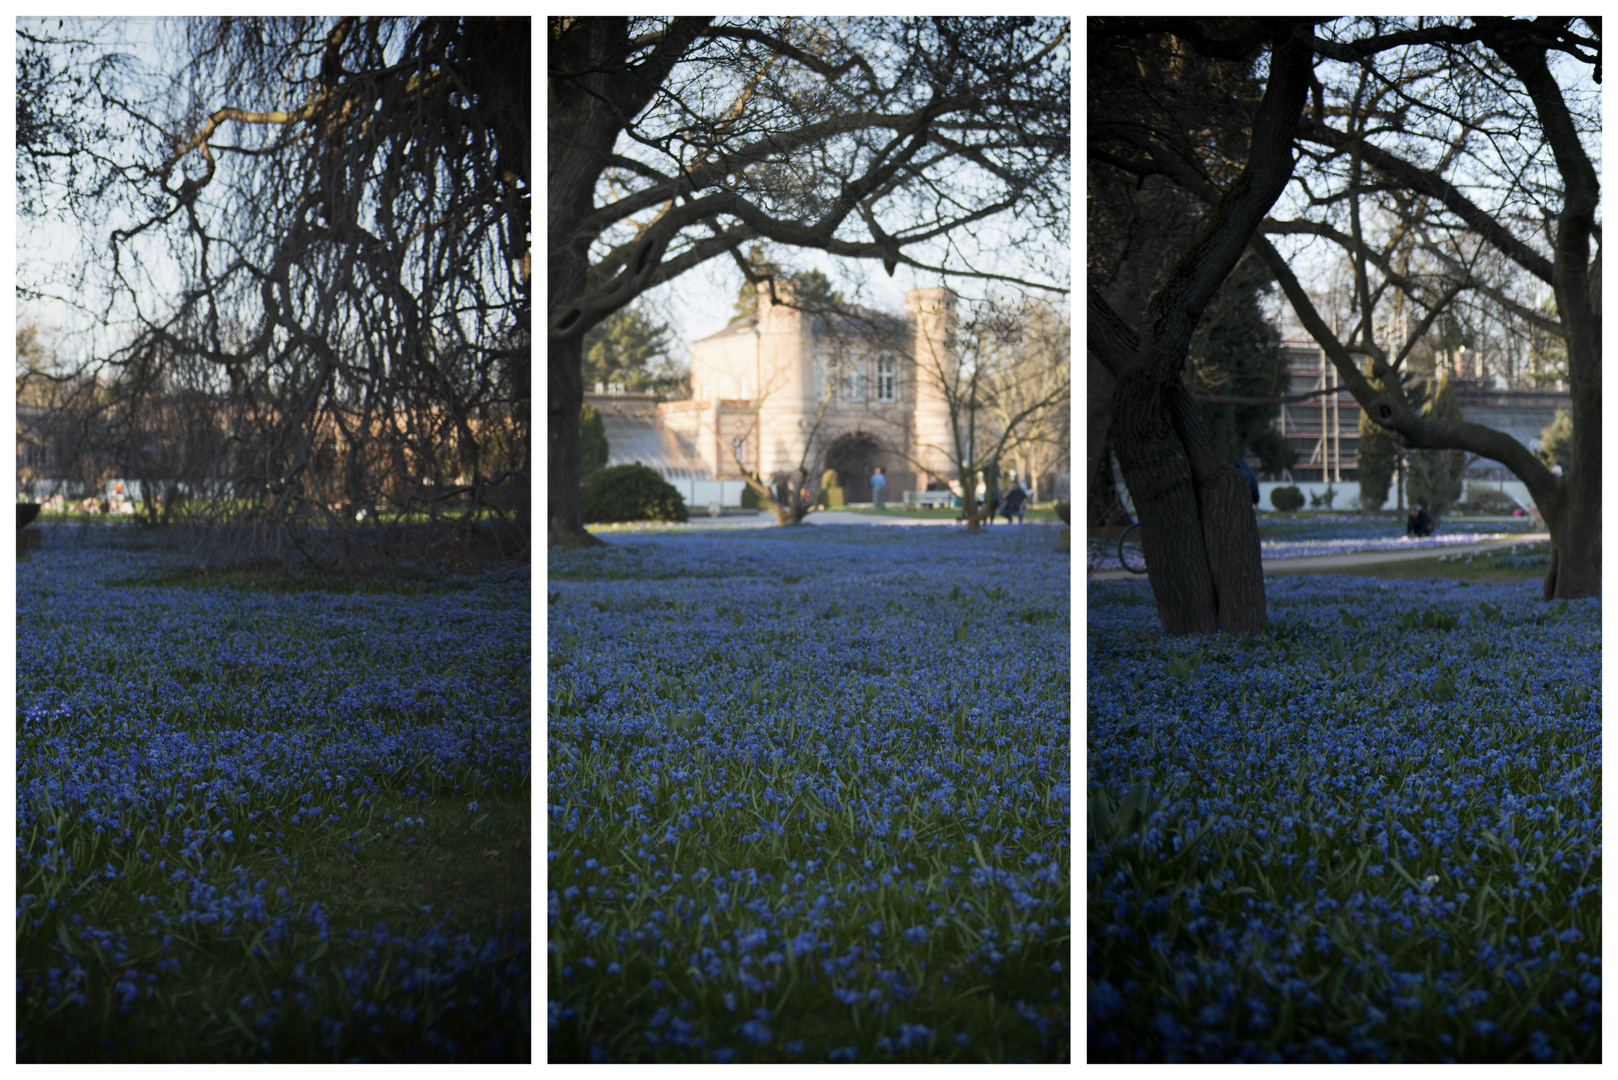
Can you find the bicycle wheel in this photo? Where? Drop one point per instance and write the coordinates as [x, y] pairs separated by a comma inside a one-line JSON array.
[[1097, 555], [1130, 554]]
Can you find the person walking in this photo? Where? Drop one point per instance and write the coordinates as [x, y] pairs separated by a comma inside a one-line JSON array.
[[879, 487]]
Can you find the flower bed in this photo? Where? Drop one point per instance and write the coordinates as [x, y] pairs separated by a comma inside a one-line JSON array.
[[1370, 833], [809, 796], [269, 825]]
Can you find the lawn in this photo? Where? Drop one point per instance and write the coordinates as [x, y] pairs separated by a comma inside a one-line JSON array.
[[269, 817], [1370, 833], [808, 797]]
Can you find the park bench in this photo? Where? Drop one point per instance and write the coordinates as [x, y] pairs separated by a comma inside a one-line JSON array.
[[929, 498]]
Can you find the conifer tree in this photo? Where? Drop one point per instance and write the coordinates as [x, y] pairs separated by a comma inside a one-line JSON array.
[[1379, 449], [631, 349], [1436, 475], [593, 449], [1556, 440], [1236, 353]]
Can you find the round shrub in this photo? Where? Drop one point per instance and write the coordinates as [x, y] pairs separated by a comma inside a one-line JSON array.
[[1287, 499], [631, 493]]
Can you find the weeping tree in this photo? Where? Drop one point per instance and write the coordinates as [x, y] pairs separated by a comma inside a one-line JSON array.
[[337, 210]]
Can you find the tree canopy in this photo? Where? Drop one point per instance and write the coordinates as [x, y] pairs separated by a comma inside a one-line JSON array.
[[934, 144], [1449, 159]]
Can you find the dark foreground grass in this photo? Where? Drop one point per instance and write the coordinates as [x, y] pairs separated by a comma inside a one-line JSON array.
[[809, 797], [1370, 833], [269, 824]]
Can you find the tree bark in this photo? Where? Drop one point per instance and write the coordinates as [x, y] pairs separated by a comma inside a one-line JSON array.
[[1575, 567], [564, 401], [587, 110], [1198, 530]]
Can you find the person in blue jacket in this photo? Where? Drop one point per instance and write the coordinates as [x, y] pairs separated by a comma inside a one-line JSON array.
[[1248, 477]]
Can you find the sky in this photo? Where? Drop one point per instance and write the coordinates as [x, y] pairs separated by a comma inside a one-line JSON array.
[[1318, 261], [46, 241], [700, 302]]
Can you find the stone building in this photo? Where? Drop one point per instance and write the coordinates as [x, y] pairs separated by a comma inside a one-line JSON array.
[[785, 389]]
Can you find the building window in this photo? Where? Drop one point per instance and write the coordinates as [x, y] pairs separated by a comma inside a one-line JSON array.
[[851, 385], [738, 447], [823, 376], [885, 379]]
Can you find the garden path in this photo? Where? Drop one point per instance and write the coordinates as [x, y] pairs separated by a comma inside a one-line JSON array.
[[1355, 558]]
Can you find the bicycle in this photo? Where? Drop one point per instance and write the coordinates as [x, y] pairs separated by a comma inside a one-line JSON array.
[[1116, 542], [1131, 554]]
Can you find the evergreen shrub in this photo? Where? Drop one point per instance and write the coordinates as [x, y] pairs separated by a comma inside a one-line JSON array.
[[631, 493], [1287, 499], [593, 449]]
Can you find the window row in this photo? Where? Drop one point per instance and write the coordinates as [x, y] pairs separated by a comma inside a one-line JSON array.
[[846, 377]]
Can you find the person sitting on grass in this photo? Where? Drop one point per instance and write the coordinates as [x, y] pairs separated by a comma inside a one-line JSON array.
[[1420, 523], [1013, 501]]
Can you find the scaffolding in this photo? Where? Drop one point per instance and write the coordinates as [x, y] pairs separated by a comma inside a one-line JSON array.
[[1314, 427]]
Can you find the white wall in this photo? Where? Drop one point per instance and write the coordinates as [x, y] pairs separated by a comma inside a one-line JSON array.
[[1348, 493], [1347, 497], [699, 493]]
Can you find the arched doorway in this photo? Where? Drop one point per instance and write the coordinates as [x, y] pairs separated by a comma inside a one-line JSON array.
[[852, 457]]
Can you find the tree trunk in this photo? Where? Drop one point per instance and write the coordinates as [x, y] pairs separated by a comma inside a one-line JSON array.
[[565, 400], [587, 111], [1198, 531], [1102, 506], [789, 505]]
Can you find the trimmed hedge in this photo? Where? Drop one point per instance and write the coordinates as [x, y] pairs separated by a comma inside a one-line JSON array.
[[630, 493], [1286, 499]]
